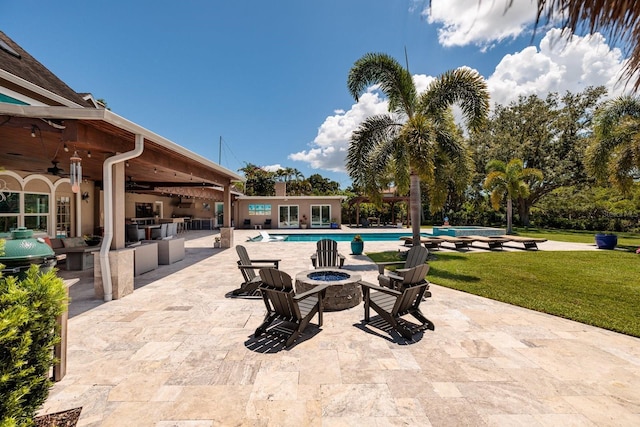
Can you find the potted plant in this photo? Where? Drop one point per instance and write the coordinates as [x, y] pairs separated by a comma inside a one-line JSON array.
[[334, 223], [303, 221], [92, 240], [357, 245], [606, 240]]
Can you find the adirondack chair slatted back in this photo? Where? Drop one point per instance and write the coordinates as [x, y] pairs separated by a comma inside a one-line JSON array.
[[417, 255], [415, 274], [247, 273], [327, 250], [415, 286], [277, 290]]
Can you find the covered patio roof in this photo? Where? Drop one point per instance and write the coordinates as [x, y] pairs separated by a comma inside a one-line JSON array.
[[41, 135]]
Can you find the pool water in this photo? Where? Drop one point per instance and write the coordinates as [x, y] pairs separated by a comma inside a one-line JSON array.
[[342, 237]]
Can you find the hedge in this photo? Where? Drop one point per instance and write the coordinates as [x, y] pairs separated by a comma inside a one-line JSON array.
[[28, 332]]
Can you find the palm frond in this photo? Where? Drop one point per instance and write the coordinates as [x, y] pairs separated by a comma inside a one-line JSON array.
[[464, 87], [394, 81]]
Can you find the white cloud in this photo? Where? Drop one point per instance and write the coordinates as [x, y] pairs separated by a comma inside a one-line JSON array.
[[559, 65], [482, 23], [329, 148], [272, 168]]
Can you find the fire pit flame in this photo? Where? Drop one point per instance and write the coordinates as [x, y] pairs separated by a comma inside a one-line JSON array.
[[328, 276]]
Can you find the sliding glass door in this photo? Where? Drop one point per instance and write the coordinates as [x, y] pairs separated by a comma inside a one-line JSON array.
[[320, 216], [288, 216]]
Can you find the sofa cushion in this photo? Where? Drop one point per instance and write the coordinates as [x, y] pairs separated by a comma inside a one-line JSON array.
[[74, 242], [57, 244]]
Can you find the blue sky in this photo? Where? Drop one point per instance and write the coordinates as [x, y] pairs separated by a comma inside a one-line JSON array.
[[269, 78]]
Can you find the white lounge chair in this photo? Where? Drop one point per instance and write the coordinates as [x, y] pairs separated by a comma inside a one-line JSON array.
[[266, 237]]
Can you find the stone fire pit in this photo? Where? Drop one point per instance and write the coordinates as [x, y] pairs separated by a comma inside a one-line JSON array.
[[344, 291]]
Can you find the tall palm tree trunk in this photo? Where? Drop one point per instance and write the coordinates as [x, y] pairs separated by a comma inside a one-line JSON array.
[[416, 203], [509, 215]]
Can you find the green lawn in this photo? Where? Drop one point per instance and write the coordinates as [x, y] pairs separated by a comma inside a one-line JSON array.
[[599, 288], [626, 241]]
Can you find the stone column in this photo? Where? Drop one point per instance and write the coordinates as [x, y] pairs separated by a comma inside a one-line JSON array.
[[121, 263], [226, 237]]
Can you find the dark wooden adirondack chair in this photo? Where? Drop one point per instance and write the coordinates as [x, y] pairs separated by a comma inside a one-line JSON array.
[[416, 256], [248, 266], [327, 254], [392, 304], [283, 304]]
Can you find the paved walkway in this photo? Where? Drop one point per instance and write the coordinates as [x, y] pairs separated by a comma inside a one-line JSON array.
[[179, 352]]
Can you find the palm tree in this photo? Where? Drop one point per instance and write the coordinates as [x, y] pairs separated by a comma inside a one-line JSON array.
[[508, 179], [615, 151], [418, 139]]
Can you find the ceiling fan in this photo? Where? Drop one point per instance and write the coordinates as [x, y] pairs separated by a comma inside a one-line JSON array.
[[132, 185], [55, 170]]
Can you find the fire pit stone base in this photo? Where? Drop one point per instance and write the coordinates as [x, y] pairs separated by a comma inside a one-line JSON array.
[[341, 294]]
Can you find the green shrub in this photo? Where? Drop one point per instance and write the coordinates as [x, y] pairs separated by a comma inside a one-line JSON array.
[[28, 333]]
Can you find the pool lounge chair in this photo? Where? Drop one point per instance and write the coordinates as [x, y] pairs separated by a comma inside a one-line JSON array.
[[294, 311], [428, 241], [528, 242], [327, 254], [391, 304], [460, 242], [266, 237], [248, 266], [416, 256], [494, 242]]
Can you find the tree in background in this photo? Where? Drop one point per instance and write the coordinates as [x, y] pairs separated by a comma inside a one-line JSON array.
[[548, 134], [614, 154], [510, 180], [260, 182], [417, 140]]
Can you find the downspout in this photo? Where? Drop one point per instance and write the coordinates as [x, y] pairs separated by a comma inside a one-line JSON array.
[[107, 173]]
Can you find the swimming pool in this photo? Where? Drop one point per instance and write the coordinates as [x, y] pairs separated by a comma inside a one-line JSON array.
[[341, 237]]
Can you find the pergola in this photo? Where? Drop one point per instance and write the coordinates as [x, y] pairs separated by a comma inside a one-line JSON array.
[[388, 197]]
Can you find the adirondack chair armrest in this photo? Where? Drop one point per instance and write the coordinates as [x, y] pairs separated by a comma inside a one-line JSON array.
[[275, 262], [394, 276], [250, 267], [318, 289], [342, 258], [379, 288], [383, 265]]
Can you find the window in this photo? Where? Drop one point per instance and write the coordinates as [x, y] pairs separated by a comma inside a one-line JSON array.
[[144, 210], [259, 209], [36, 211], [30, 210], [9, 211]]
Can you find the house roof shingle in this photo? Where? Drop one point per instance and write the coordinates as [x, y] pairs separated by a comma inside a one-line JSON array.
[[28, 68]]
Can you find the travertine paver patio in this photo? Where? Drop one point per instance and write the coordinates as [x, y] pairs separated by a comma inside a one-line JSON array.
[[179, 351]]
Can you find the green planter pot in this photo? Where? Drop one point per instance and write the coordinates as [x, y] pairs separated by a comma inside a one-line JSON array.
[[357, 248]]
